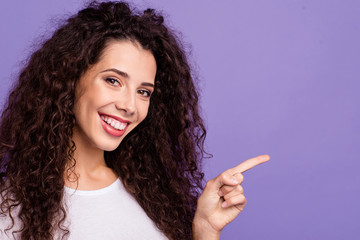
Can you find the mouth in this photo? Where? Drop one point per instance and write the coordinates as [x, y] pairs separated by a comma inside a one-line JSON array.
[[113, 125]]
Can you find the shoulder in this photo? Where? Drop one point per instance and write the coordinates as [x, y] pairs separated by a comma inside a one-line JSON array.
[[9, 223], [8, 227]]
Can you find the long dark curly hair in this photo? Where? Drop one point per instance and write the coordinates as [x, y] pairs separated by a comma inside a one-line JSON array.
[[158, 162]]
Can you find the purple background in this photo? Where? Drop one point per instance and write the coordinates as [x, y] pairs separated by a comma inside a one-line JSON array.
[[279, 77]]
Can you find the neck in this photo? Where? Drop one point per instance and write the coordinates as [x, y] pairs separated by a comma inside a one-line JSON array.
[[90, 171]]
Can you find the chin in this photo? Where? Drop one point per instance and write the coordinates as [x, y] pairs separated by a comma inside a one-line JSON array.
[[109, 147]]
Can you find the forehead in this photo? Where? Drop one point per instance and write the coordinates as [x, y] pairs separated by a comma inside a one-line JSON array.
[[130, 57]]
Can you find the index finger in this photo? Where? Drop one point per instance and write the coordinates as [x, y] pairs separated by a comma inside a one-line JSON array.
[[250, 163]]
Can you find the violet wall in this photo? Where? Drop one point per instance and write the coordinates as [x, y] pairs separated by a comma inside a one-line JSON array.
[[277, 76]]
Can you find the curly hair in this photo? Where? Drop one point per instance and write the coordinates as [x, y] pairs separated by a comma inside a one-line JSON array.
[[159, 162]]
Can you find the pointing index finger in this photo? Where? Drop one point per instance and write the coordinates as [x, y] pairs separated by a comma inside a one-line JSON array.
[[250, 163]]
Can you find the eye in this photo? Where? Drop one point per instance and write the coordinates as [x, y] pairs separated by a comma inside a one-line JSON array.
[[144, 93], [112, 81]]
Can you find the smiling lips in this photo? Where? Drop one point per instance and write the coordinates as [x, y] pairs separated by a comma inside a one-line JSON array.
[[113, 125]]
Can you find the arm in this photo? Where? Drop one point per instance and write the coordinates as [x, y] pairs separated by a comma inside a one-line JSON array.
[[222, 200]]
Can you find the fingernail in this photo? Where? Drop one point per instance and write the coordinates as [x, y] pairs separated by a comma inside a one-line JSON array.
[[235, 181], [224, 204]]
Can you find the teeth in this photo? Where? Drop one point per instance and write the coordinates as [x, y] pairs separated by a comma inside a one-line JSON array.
[[122, 126], [114, 123]]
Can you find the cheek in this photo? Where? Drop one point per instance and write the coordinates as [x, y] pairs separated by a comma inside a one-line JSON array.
[[78, 109], [143, 111], [84, 108]]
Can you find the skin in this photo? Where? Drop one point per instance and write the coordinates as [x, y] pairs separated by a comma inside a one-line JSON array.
[[103, 89], [120, 84], [222, 200]]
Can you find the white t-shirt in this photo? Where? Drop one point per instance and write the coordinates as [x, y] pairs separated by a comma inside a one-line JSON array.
[[107, 213]]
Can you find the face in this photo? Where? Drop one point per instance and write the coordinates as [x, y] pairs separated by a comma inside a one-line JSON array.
[[113, 96]]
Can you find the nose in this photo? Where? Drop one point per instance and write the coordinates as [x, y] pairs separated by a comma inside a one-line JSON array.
[[126, 102]]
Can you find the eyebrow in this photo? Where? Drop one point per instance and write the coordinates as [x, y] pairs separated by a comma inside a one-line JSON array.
[[125, 75], [121, 73]]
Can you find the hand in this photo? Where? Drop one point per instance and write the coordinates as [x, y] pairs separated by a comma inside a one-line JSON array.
[[222, 200]]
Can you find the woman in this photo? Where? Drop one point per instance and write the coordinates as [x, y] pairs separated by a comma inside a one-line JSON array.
[[110, 76]]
